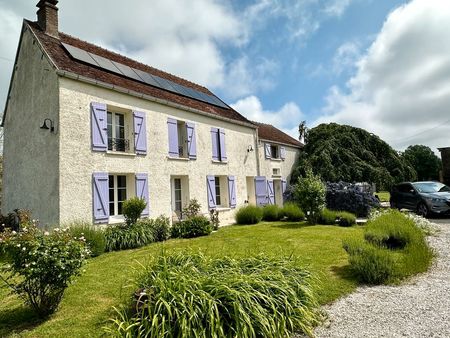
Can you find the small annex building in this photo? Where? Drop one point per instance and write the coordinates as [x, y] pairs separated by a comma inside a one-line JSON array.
[[86, 128]]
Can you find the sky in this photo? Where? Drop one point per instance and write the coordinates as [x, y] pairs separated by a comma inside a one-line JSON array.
[[382, 65]]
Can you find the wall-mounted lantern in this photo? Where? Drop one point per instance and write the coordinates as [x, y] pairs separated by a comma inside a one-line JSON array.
[[48, 125], [249, 148]]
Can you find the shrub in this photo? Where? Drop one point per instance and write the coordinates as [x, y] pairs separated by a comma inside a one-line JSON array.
[[192, 209], [40, 265], [346, 219], [394, 247], [349, 197], [95, 237], [132, 209], [250, 214], [271, 213], [309, 193], [160, 228], [14, 219], [214, 219], [192, 227], [185, 295], [122, 236], [292, 212], [327, 217]]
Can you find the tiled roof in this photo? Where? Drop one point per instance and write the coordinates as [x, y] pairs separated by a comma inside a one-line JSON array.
[[64, 62], [270, 133]]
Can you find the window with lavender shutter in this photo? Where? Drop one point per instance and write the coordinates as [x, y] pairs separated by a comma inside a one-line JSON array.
[[215, 143], [211, 191], [99, 127], [172, 126], [100, 197], [142, 190], [140, 133], [192, 146]]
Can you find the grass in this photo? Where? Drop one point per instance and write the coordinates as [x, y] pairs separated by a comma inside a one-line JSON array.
[[384, 196], [88, 303]]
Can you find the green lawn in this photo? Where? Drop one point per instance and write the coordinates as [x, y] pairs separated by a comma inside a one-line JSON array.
[[384, 196], [88, 303]]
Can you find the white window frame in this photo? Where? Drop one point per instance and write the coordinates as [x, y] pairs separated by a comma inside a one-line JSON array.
[[127, 125], [115, 212], [182, 139]]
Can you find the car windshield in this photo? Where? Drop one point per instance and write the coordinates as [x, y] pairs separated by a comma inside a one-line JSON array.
[[431, 187]]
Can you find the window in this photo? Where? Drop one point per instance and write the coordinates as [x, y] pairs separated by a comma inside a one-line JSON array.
[[219, 152], [116, 132], [177, 195], [182, 143], [217, 190], [274, 151], [117, 193]]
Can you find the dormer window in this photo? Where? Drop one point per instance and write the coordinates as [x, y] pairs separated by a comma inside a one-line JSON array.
[[274, 151]]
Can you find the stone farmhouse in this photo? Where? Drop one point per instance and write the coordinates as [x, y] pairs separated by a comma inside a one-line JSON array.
[[86, 128]]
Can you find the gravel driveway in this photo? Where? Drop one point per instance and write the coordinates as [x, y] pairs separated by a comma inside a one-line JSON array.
[[417, 308]]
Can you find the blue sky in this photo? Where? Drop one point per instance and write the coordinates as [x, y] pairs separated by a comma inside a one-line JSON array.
[[381, 65]]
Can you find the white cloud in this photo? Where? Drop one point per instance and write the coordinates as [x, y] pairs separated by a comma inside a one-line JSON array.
[[283, 118], [401, 89], [336, 7], [346, 56]]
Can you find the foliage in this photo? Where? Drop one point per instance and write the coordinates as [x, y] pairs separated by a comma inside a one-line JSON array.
[[192, 209], [250, 214], [40, 265], [122, 236], [292, 212], [327, 217], [191, 295], [344, 153], [394, 247], [348, 197], [160, 227], [309, 193], [271, 213], [424, 161], [94, 237], [346, 219], [132, 209], [214, 219], [194, 226], [14, 219]]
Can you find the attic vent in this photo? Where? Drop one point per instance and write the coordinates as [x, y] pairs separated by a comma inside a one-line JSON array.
[[141, 76], [276, 172]]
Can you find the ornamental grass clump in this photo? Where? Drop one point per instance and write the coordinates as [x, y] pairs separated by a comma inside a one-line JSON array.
[[291, 212], [191, 295], [38, 266], [327, 217], [95, 237], [194, 226], [123, 236], [271, 213], [393, 248], [250, 214]]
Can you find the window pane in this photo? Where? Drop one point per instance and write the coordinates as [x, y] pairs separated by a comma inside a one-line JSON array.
[[217, 184], [178, 206], [121, 181], [119, 208], [109, 130], [111, 208], [111, 195], [121, 195], [177, 183]]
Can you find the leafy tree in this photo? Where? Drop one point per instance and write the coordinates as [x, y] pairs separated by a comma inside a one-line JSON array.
[[424, 161], [344, 153], [309, 193]]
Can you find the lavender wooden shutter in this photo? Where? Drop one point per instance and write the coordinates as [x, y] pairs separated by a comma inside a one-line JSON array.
[[173, 137], [142, 190], [260, 190], [140, 133], [99, 127], [267, 150], [282, 153], [211, 188], [232, 191], [215, 143], [270, 192], [192, 146], [100, 197], [223, 149]]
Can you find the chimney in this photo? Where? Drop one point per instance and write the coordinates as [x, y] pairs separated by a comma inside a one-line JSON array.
[[47, 16]]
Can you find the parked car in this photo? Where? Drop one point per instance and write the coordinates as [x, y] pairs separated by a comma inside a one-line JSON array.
[[425, 198]]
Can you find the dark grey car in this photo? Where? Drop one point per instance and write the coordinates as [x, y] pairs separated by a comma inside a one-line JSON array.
[[424, 198]]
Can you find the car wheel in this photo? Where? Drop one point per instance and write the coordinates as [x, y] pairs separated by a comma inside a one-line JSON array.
[[422, 210]]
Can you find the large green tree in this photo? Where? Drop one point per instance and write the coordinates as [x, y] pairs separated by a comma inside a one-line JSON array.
[[424, 161], [344, 153]]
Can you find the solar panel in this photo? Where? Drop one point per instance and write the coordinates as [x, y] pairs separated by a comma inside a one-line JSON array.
[[127, 71], [80, 54], [139, 75], [105, 63]]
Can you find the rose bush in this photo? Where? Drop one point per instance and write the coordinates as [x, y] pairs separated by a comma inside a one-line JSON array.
[[39, 265]]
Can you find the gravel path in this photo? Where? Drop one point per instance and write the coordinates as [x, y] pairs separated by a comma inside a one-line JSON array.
[[418, 308]]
